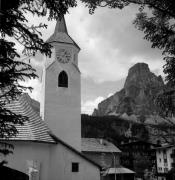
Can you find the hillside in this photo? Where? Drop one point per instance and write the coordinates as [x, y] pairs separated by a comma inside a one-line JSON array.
[[117, 130]]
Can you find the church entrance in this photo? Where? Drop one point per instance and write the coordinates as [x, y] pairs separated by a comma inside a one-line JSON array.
[[7, 173]]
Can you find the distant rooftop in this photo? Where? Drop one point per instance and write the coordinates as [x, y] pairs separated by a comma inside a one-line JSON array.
[[98, 145], [165, 146], [118, 170]]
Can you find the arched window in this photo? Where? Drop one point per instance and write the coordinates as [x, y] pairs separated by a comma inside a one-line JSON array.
[[63, 79]]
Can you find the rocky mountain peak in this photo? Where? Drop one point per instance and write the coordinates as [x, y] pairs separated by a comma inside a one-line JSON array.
[[136, 97], [141, 76], [139, 68]]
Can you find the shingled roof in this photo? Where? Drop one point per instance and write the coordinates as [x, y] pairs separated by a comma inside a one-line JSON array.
[[98, 145], [35, 128], [118, 170]]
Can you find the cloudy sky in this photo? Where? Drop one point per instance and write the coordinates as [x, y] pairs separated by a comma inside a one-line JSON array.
[[110, 45]]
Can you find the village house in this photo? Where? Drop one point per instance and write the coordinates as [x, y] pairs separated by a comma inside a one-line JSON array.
[[48, 146], [165, 159], [107, 155]]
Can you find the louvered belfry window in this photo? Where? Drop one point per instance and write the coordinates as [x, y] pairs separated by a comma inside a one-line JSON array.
[[63, 79]]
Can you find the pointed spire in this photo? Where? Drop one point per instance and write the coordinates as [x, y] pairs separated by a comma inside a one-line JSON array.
[[61, 25], [61, 34]]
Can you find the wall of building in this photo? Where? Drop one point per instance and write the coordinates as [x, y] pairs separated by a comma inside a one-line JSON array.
[[52, 161], [27, 152], [169, 159], [64, 159], [161, 155], [104, 159]]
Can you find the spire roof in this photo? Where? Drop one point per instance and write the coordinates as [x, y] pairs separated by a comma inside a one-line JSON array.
[[61, 25], [60, 34]]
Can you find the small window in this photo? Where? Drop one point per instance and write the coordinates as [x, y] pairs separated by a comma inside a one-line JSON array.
[[159, 168], [75, 167], [63, 79], [165, 170]]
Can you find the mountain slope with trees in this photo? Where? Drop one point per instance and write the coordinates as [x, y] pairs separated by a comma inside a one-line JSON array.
[[118, 130]]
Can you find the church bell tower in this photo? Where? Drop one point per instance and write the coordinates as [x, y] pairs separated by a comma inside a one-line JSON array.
[[61, 94]]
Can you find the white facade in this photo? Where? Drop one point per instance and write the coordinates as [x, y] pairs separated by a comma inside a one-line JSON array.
[[52, 162], [164, 159]]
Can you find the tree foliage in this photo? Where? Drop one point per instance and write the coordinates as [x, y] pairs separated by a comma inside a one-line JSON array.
[[14, 23], [14, 26], [112, 128]]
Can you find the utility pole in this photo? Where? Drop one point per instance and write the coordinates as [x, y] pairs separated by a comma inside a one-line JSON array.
[[114, 159]]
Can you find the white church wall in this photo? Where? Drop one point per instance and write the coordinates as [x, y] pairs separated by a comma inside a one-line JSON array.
[[62, 165], [53, 162], [29, 154]]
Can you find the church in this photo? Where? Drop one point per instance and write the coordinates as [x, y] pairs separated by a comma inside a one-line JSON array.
[[48, 146]]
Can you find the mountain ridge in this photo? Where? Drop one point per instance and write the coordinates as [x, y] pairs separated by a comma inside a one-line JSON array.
[[136, 98]]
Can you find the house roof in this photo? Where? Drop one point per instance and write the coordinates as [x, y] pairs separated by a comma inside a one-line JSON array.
[[35, 128], [98, 145], [165, 146], [118, 170]]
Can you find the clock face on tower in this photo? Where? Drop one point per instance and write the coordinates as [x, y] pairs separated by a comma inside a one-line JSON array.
[[63, 56]]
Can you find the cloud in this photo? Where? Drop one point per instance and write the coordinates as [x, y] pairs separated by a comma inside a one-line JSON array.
[[88, 106], [35, 94], [36, 85], [110, 94], [109, 42], [110, 45]]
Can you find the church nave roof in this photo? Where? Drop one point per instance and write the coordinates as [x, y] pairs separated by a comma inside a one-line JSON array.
[[35, 128]]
